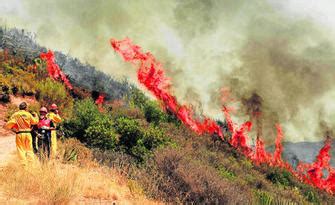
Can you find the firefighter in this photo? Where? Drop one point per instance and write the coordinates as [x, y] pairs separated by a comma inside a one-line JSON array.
[[21, 122], [44, 127], [55, 118]]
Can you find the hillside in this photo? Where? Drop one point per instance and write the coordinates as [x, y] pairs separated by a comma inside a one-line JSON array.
[[22, 44], [62, 181], [130, 137]]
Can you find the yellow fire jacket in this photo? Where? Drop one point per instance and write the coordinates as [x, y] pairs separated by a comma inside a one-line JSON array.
[[21, 121], [55, 118]]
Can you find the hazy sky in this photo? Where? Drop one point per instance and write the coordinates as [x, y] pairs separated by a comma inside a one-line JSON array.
[[281, 49]]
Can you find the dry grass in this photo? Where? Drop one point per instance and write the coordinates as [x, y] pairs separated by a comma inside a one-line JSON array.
[[57, 182], [48, 183]]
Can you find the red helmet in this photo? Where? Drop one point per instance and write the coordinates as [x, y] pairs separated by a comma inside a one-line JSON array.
[[44, 109], [53, 107]]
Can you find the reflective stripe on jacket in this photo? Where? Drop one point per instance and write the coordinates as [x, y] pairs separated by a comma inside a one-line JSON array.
[[21, 121]]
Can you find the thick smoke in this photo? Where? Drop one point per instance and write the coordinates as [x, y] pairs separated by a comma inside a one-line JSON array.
[[252, 48]]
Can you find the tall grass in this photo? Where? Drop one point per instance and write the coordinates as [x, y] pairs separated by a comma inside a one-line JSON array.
[[68, 182], [48, 183]]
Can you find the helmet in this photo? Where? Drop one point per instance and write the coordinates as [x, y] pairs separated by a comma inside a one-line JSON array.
[[53, 107], [23, 106], [44, 109]]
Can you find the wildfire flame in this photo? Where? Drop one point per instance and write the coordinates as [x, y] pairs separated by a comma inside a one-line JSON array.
[[53, 69], [151, 74]]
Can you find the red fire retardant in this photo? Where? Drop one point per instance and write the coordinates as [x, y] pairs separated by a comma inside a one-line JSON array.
[[53, 69], [151, 74], [100, 100]]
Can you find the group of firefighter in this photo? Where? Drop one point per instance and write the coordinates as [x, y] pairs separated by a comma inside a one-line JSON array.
[[35, 133]]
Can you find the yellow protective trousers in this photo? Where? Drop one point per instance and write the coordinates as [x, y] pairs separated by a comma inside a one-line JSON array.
[[53, 143], [24, 148]]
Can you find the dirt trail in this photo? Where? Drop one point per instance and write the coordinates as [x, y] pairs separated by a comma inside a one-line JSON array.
[[7, 146], [7, 149], [7, 139]]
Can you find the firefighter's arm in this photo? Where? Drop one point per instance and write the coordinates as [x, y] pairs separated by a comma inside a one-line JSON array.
[[56, 118], [34, 118], [10, 124]]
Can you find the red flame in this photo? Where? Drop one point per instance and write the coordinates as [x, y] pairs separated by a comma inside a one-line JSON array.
[[53, 69], [279, 147], [313, 173], [100, 100], [260, 155], [151, 75]]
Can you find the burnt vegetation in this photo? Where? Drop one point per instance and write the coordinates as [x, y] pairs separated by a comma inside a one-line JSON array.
[[132, 134]]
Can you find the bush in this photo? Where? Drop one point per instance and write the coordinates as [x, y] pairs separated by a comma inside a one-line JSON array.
[[225, 173], [263, 198], [153, 137], [311, 196], [153, 113], [18, 80], [101, 134], [72, 151], [129, 130], [134, 113], [150, 139], [137, 98], [85, 113], [50, 91], [34, 107], [137, 141], [11, 110], [124, 134], [281, 177], [175, 178]]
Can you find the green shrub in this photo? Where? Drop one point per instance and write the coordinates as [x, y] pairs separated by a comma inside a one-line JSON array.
[[150, 139], [6, 69], [122, 133], [84, 114], [153, 113], [129, 130], [137, 141], [50, 91], [24, 83], [225, 173], [151, 109], [280, 177], [137, 98], [311, 196], [153, 137], [263, 198], [101, 134], [41, 71]]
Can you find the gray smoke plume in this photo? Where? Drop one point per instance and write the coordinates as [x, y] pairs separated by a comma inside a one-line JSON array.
[[251, 47]]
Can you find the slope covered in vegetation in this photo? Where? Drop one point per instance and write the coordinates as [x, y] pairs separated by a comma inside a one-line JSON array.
[[165, 159]]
